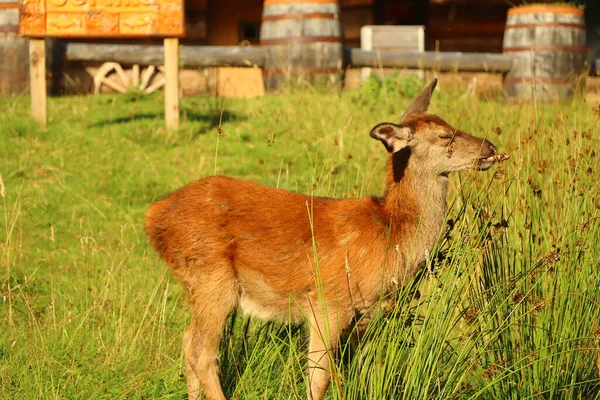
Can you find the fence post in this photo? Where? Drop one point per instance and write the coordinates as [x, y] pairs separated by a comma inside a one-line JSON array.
[[171, 46]]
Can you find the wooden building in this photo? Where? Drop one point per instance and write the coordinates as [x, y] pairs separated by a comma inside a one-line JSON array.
[[450, 25]]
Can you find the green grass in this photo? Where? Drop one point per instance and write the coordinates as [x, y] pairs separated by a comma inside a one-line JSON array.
[[508, 307]]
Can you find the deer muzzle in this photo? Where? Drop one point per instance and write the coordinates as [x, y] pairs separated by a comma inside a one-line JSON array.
[[490, 157]]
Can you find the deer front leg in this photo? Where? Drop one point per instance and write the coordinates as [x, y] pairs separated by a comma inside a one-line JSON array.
[[321, 348]]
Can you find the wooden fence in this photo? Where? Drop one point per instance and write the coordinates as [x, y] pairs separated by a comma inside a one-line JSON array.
[[248, 56], [240, 56]]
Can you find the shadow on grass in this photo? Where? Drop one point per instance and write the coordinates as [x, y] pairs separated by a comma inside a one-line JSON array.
[[213, 118], [255, 348], [126, 119], [208, 120]]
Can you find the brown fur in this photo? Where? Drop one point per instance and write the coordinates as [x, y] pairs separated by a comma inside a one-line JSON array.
[[236, 243]]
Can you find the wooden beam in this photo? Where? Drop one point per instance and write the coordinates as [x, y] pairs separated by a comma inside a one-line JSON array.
[[237, 56], [445, 61], [37, 79], [171, 58], [190, 56]]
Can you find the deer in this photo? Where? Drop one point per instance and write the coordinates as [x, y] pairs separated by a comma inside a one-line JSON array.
[[280, 255]]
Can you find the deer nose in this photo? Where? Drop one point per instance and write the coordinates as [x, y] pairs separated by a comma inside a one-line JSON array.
[[493, 148]]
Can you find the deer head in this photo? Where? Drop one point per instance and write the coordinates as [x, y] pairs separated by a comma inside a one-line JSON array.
[[431, 144]]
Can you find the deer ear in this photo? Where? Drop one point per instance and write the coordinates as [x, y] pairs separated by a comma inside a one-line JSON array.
[[394, 137], [421, 103]]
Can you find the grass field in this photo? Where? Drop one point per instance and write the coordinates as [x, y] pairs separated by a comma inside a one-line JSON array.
[[508, 307]]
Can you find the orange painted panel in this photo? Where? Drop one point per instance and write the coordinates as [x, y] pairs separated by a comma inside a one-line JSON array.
[[545, 8], [71, 24], [102, 18]]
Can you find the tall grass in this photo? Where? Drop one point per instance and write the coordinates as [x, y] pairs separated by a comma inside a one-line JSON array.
[[506, 308]]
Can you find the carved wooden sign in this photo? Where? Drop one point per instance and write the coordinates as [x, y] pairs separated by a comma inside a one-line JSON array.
[[101, 18]]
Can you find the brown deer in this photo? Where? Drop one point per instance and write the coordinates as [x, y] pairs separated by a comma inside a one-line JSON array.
[[287, 256]]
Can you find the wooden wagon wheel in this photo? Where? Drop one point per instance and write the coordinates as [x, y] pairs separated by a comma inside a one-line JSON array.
[[111, 74]]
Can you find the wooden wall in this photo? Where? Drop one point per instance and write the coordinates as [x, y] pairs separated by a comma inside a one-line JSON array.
[[14, 51], [354, 14], [196, 21], [451, 25], [222, 22], [592, 23], [466, 25], [228, 18], [357, 13]]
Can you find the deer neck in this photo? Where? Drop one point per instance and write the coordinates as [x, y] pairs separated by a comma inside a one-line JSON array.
[[416, 203]]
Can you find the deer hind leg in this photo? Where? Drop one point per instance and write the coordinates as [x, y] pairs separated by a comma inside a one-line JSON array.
[[324, 336], [214, 295]]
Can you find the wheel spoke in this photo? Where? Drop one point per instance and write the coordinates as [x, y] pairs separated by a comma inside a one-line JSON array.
[[146, 76]]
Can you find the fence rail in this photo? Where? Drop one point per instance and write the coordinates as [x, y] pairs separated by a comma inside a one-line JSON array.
[[247, 56], [445, 61], [189, 56]]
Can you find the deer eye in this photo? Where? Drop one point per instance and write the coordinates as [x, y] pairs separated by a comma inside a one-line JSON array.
[[447, 136]]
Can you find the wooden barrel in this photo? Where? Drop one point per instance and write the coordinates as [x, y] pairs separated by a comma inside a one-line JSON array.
[[14, 52], [302, 41], [548, 47]]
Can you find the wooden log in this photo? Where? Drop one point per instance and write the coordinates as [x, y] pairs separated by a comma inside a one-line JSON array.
[[468, 62], [190, 56]]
